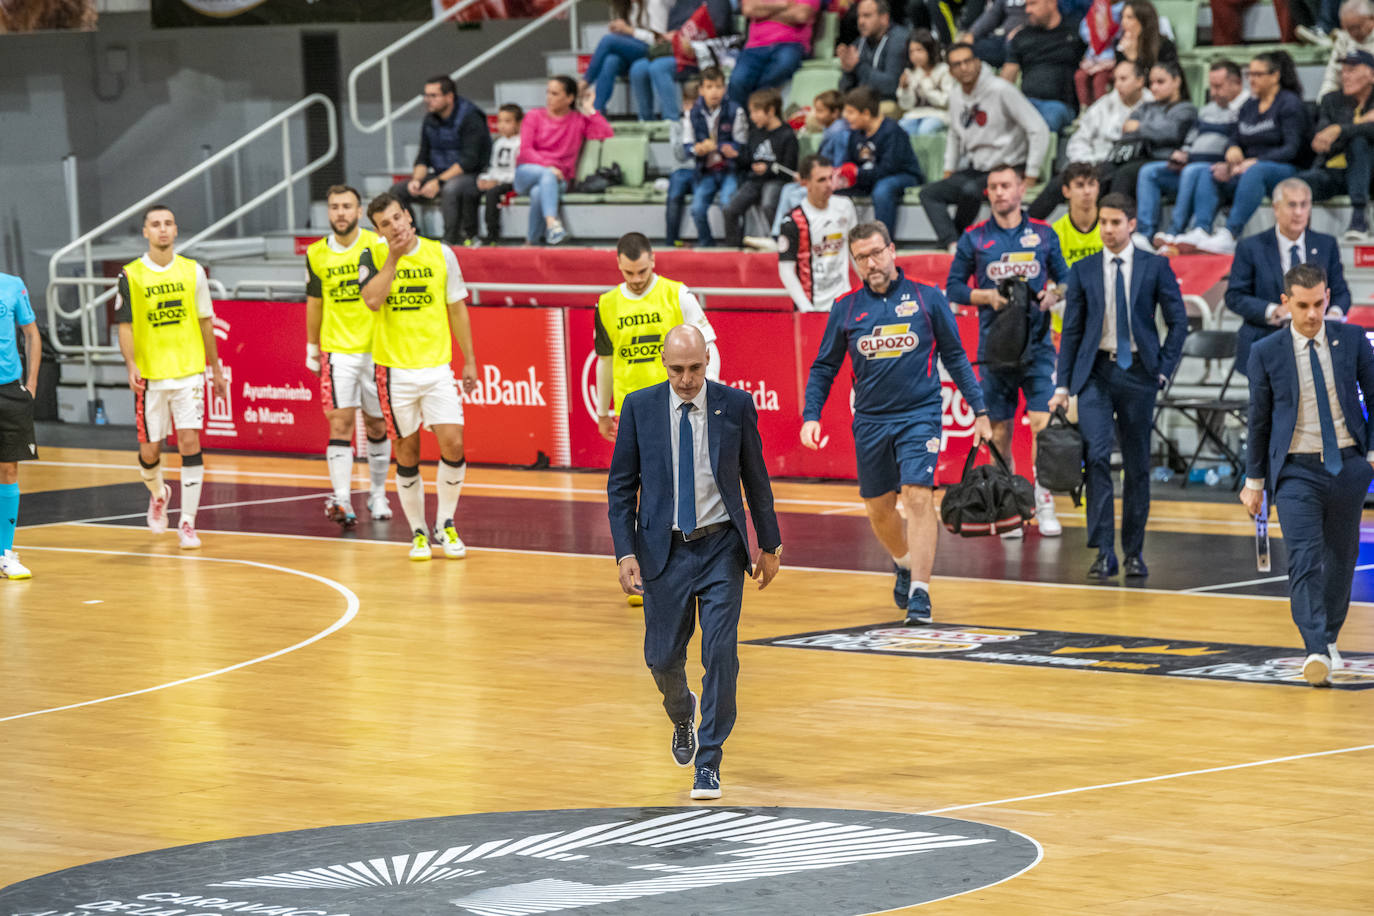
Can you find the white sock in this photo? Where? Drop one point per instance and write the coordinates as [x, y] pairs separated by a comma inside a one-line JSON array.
[[450, 484], [904, 561], [192, 476], [412, 493], [1041, 493], [922, 586], [338, 457], [378, 463], [152, 477]]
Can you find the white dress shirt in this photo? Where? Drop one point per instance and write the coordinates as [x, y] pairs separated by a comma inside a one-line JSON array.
[[1286, 249], [710, 504], [1127, 257]]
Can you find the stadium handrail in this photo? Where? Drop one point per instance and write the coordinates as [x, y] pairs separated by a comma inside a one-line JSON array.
[[91, 351], [382, 60]]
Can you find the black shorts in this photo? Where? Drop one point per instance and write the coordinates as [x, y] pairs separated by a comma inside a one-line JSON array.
[[16, 424]]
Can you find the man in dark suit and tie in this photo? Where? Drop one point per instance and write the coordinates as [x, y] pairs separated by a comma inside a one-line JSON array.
[[1255, 289], [1111, 357], [683, 450], [1311, 446]]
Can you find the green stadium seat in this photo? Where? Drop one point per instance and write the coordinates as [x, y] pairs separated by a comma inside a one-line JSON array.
[[808, 144], [826, 31], [589, 160], [811, 82], [930, 152], [631, 153], [1182, 15]]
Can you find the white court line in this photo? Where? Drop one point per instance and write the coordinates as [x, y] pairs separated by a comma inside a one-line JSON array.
[[1199, 589], [343, 621], [234, 505]]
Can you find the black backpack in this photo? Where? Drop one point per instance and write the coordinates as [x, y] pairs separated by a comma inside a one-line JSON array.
[[989, 500], [1059, 457], [1008, 338]]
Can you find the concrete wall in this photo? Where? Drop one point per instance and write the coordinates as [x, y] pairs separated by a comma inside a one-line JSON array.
[[136, 105]]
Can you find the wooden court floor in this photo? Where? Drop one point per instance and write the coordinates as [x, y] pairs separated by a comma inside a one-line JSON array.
[[278, 681]]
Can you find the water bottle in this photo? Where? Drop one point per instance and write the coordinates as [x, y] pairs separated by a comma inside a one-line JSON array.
[[1226, 471], [1212, 477], [100, 418], [1162, 474], [1198, 475]]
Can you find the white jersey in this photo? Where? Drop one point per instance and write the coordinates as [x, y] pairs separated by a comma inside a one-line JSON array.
[[818, 241]]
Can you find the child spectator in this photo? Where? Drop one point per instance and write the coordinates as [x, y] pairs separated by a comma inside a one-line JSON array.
[[882, 151], [825, 112], [771, 142], [712, 131], [680, 182], [923, 91], [499, 179]]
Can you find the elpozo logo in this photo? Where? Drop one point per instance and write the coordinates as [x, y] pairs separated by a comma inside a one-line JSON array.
[[1014, 264], [632, 860], [888, 341]]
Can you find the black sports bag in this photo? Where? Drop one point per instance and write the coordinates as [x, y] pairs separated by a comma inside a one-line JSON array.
[[1059, 457], [989, 500]]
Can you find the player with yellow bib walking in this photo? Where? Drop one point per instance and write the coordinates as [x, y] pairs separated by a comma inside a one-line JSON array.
[[415, 287], [167, 336], [339, 350]]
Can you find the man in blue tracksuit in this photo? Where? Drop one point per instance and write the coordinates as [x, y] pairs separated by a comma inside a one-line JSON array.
[[1007, 246], [893, 328]]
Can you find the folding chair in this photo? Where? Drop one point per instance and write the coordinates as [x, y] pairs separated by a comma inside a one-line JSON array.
[[1207, 414]]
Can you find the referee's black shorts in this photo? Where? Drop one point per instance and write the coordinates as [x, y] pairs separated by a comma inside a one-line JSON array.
[[16, 423]]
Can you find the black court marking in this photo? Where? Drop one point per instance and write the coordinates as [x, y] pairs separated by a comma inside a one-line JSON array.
[[1081, 652], [613, 861]]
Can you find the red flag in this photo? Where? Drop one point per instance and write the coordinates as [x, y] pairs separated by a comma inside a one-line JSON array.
[[1101, 29]]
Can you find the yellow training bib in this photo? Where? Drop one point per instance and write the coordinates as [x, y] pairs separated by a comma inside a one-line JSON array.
[[412, 329], [167, 341], [1076, 246], [348, 323], [635, 329]]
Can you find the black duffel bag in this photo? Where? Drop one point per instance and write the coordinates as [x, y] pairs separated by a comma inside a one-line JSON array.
[[1007, 340], [989, 500], [1059, 457]]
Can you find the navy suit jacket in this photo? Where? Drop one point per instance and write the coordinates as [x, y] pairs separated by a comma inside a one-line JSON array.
[[1153, 286], [640, 485], [1257, 280], [1274, 395]]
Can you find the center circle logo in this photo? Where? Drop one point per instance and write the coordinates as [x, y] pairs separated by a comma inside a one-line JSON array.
[[818, 861]]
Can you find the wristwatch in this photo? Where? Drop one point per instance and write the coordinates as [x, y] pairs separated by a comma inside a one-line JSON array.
[[776, 551]]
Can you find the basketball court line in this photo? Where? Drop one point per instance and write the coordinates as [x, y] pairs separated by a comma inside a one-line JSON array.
[[350, 612]]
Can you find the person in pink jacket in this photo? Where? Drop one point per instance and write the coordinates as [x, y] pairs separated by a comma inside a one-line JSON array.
[[550, 142]]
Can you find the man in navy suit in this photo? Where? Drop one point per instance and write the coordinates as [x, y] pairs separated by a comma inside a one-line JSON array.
[[1111, 357], [1311, 446], [1255, 289], [684, 448]]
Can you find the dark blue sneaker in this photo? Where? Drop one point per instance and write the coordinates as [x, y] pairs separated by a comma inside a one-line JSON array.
[[902, 587], [918, 609], [707, 783], [685, 737]]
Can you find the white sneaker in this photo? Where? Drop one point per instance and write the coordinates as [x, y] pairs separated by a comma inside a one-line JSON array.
[[11, 568], [186, 532], [1337, 663], [419, 547], [1045, 518], [1313, 35], [1141, 242], [1316, 670], [1193, 239], [157, 511], [1220, 242], [1163, 240], [447, 538], [1015, 534], [760, 243], [555, 233], [378, 506]]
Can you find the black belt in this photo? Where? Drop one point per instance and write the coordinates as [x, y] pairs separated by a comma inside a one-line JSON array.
[[1110, 354], [703, 531], [1350, 451]]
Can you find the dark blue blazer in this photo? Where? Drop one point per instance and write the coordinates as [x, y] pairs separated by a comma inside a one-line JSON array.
[[1153, 286], [1257, 280], [1274, 395], [640, 485]]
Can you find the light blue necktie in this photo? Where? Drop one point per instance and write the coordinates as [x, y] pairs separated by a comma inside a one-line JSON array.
[[1331, 453], [686, 474], [1123, 319], [1294, 257]]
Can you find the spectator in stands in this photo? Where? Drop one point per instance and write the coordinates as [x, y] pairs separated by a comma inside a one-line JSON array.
[[779, 37], [924, 87], [1343, 140], [499, 180], [691, 24], [636, 25], [1227, 17], [713, 130], [878, 59], [882, 153], [680, 181], [1205, 145], [1098, 133], [1077, 229], [550, 143], [1102, 38], [826, 111], [1141, 36], [1153, 131], [1355, 34], [994, 28], [813, 263], [1046, 53], [990, 122], [455, 145], [771, 143], [1267, 143]]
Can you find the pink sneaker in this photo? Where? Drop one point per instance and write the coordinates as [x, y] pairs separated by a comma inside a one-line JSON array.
[[157, 511], [187, 533]]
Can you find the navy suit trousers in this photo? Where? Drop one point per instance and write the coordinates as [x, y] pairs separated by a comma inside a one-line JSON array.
[[704, 576], [1320, 515], [1117, 405]]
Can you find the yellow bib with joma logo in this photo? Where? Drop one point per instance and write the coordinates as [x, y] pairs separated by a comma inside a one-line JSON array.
[[636, 328], [412, 327], [167, 341], [347, 323]]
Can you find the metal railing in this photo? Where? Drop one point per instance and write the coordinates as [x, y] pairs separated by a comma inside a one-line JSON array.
[[84, 312], [382, 60], [701, 292]]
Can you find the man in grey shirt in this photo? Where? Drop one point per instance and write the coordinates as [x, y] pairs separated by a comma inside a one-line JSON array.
[[992, 32], [879, 57]]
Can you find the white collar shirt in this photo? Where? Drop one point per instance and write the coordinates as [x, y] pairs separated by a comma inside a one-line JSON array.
[[710, 505], [1307, 431], [1127, 257]]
